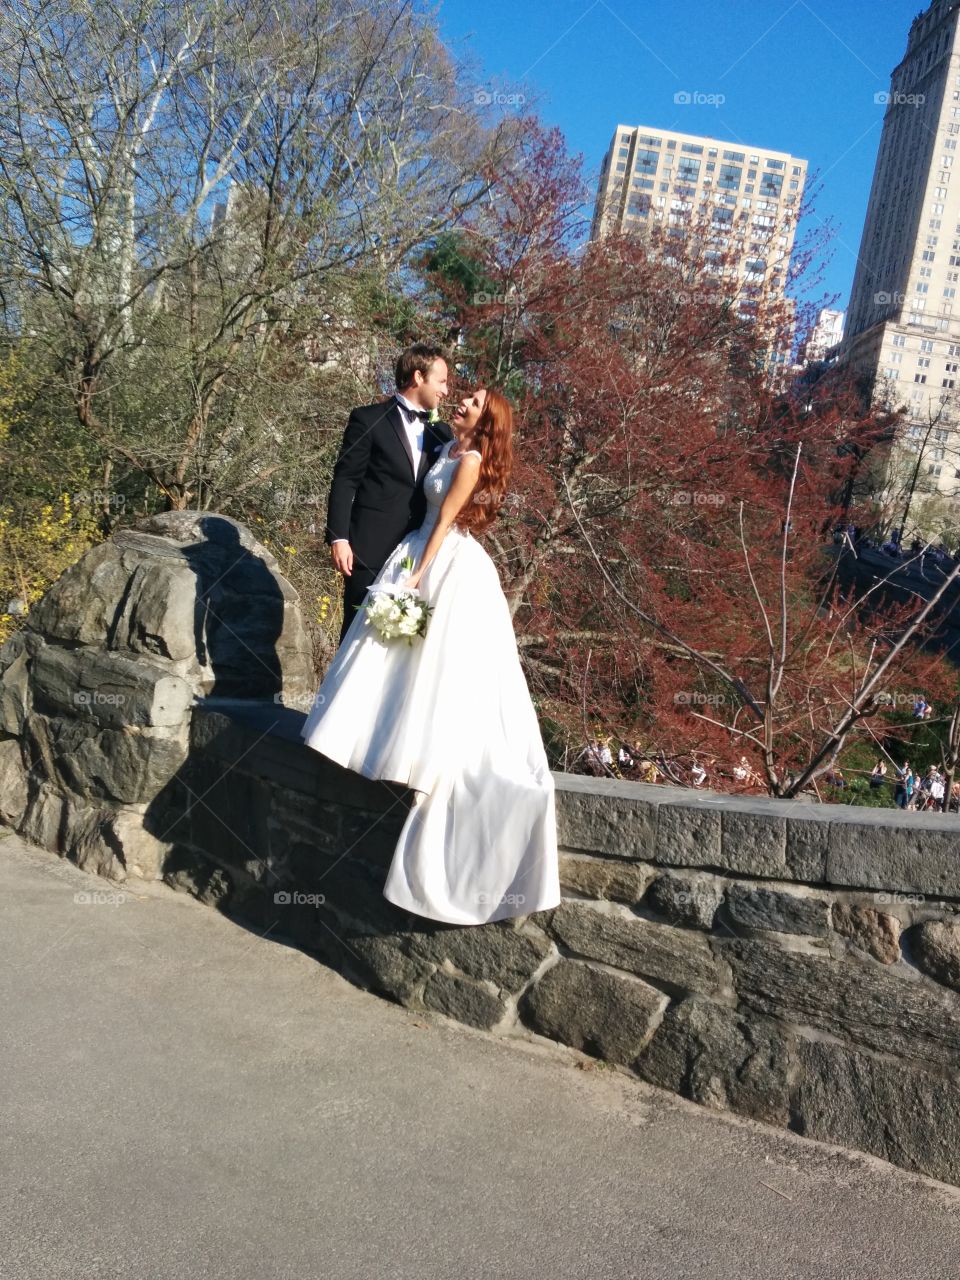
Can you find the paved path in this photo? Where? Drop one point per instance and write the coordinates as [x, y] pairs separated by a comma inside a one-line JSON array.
[[180, 1098]]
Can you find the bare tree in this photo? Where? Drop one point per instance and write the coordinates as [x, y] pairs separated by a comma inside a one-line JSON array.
[[194, 195]]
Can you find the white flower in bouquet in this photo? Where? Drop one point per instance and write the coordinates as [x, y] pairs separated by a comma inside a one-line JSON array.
[[396, 614]]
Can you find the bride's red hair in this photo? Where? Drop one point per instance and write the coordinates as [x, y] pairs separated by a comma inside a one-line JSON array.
[[493, 436]]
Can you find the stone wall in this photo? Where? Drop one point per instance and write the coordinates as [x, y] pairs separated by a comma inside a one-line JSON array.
[[96, 694], [795, 963]]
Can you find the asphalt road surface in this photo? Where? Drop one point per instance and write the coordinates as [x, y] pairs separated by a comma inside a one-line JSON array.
[[182, 1098]]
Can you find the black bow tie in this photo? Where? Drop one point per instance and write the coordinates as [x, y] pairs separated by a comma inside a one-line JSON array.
[[422, 414]]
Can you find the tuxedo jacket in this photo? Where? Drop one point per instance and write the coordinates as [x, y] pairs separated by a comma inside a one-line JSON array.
[[375, 498]]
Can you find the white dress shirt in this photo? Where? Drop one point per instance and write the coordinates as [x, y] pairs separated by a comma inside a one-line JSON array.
[[414, 429]]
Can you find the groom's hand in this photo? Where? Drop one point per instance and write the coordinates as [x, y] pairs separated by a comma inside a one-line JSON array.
[[342, 556]]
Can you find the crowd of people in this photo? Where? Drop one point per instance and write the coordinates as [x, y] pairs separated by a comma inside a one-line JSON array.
[[913, 790], [600, 758]]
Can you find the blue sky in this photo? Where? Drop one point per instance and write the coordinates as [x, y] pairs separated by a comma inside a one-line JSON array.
[[795, 75]]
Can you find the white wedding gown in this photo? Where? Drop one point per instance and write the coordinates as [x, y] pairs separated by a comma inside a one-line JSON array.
[[450, 717]]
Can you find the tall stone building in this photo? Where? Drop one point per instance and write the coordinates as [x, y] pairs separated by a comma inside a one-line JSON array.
[[747, 197], [903, 322]]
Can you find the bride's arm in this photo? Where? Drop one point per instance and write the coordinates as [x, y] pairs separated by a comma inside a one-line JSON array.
[[461, 490]]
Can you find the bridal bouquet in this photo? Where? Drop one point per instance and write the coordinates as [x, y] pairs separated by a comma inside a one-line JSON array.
[[396, 613]]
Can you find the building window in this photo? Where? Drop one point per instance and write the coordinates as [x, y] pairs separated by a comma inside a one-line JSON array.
[[919, 377]]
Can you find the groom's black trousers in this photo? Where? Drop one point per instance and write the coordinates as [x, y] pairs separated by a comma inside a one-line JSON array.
[[354, 591]]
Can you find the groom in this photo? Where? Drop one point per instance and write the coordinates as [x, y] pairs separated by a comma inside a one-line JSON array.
[[376, 495]]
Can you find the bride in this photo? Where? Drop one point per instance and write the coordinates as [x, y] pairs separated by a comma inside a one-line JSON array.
[[450, 715]]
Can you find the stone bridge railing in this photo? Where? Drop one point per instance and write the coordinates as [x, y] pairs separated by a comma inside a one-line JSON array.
[[796, 963]]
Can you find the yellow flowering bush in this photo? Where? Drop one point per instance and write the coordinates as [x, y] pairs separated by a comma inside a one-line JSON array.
[[36, 547]]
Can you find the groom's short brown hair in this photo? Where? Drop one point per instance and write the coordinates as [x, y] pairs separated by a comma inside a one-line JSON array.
[[416, 359]]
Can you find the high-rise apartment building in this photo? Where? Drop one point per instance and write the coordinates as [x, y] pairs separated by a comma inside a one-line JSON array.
[[903, 323], [748, 198]]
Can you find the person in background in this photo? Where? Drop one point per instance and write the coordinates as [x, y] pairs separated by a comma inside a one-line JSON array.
[[936, 792], [878, 774], [910, 785], [649, 771], [924, 800]]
